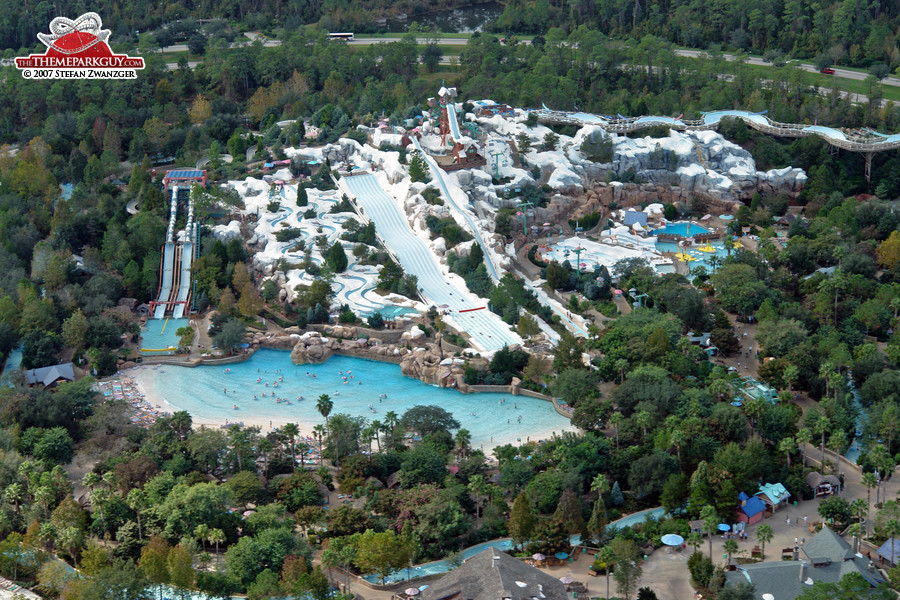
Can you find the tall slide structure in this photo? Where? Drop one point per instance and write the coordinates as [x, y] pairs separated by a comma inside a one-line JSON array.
[[177, 257]]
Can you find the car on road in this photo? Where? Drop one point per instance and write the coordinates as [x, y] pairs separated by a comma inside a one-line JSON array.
[[828, 71]]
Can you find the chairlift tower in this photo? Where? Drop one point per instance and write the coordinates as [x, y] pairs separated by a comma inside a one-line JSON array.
[[578, 252], [495, 156], [524, 207]]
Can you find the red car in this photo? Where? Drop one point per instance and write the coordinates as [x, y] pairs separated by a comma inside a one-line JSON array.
[[828, 71]]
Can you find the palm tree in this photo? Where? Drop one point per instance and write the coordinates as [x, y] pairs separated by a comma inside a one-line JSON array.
[[677, 438], [463, 439], [614, 420], [201, 532], [324, 405], [838, 442], [216, 536], [620, 365], [643, 420], [730, 547], [695, 540], [711, 523], [264, 446], [391, 420], [754, 409], [600, 484], [478, 487], [764, 534], [302, 450], [291, 431], [13, 494], [859, 509], [820, 426], [137, 501], [319, 432], [607, 556], [868, 480], [377, 425], [70, 539], [788, 446]]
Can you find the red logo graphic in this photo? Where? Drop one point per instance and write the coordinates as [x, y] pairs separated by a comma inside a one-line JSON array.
[[78, 50]]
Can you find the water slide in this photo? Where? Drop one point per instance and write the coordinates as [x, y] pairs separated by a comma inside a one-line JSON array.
[[187, 254], [871, 142], [486, 329], [439, 176], [454, 124], [165, 288], [168, 268]]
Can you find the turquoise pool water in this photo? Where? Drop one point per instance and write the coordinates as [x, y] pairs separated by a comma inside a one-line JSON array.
[[701, 258], [502, 544], [201, 392], [392, 312], [159, 334], [682, 229]]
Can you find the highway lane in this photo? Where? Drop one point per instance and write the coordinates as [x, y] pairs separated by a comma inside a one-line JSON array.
[[683, 52], [755, 60]]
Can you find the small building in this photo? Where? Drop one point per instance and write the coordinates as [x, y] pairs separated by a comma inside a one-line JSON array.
[[828, 558], [50, 376], [787, 220], [184, 177], [774, 495], [697, 526], [889, 552], [492, 575], [823, 485], [750, 509]]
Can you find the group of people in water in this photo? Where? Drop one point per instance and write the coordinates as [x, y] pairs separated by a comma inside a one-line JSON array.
[[345, 378]]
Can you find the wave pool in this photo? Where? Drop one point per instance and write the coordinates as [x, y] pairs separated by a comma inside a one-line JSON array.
[[210, 395]]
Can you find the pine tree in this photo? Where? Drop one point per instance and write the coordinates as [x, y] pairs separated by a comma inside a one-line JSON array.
[[569, 513], [302, 197], [337, 258], [521, 520], [418, 168], [615, 495]]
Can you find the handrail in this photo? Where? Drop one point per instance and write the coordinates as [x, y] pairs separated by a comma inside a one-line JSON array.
[[852, 141]]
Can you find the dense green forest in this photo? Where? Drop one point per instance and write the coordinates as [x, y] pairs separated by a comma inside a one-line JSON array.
[[856, 32]]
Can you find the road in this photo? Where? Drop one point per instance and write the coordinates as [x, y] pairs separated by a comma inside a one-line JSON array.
[[755, 60], [686, 53]]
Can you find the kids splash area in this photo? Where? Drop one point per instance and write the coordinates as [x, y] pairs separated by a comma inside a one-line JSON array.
[[687, 242], [269, 390]]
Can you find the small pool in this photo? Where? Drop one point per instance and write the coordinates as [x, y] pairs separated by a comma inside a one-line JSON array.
[[726, 217], [158, 335], [392, 312], [682, 229]]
